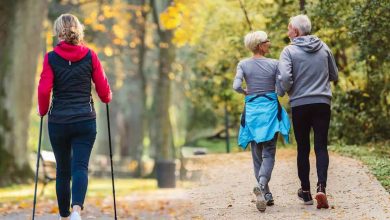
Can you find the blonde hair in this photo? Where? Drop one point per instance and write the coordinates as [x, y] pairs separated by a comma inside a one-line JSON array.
[[253, 39], [68, 28]]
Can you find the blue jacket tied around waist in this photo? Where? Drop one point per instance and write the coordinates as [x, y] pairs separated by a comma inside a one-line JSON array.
[[261, 119]]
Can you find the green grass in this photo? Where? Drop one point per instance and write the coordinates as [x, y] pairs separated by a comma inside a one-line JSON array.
[[219, 145], [375, 156], [96, 188]]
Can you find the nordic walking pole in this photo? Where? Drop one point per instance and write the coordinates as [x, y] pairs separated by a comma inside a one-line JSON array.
[[112, 169], [36, 173]]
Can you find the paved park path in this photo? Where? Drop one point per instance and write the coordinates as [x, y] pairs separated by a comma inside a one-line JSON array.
[[224, 191]]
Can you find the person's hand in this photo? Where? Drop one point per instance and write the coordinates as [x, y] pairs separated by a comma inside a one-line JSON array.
[[245, 92], [38, 112]]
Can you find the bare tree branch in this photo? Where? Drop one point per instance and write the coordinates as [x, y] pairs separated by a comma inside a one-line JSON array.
[[155, 15], [246, 15], [302, 4]]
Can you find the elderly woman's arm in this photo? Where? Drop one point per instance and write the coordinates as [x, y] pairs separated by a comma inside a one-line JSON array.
[[285, 70], [279, 89], [238, 80]]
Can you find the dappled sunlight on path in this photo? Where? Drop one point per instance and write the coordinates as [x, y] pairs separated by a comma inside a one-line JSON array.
[[225, 190], [158, 204]]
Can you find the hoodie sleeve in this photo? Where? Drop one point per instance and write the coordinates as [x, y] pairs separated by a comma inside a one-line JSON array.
[[279, 89], [285, 70], [99, 78], [333, 71], [44, 87], [239, 79]]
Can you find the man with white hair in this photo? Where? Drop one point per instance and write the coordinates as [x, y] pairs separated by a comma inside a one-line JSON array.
[[306, 68]]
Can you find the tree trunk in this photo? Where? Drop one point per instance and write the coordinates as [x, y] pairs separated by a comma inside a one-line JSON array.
[[102, 146], [134, 91], [162, 132], [302, 4], [141, 75], [21, 29]]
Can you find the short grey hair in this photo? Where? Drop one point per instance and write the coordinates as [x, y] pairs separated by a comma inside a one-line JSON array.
[[302, 23], [253, 39]]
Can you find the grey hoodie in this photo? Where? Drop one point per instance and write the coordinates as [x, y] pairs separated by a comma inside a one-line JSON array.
[[306, 68]]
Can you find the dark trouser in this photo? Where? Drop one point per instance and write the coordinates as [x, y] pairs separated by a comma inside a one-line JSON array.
[[305, 117], [72, 145], [263, 155]]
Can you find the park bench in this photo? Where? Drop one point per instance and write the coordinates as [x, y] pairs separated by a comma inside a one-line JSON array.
[[190, 168], [48, 170]]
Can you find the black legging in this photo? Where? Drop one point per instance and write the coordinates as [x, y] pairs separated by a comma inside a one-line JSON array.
[[305, 117], [72, 145]]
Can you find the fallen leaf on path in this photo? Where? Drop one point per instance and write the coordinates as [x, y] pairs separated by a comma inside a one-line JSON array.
[[24, 205], [54, 210]]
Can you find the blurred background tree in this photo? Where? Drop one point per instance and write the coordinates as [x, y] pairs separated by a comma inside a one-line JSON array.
[[21, 30]]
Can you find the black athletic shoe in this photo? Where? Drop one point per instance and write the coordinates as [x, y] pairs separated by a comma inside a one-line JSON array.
[[269, 199], [322, 201], [305, 196]]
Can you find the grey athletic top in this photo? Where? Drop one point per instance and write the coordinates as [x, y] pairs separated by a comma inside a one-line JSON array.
[[306, 67], [260, 76]]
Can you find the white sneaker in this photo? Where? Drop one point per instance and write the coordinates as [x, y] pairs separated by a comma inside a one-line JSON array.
[[75, 216]]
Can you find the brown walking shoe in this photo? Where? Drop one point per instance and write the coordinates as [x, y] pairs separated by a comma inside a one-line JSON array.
[[322, 201]]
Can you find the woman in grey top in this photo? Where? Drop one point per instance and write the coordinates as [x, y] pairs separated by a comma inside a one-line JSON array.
[[258, 71], [263, 117]]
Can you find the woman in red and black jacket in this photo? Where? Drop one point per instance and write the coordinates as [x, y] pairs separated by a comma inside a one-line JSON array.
[[69, 70]]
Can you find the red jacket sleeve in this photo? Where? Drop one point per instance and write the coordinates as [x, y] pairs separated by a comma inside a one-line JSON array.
[[44, 87], [99, 78]]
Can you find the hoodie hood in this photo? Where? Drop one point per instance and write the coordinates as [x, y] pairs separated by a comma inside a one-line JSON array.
[[308, 43], [71, 52]]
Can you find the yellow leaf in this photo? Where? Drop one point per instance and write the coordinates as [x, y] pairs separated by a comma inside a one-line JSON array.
[[180, 37], [88, 21], [171, 76], [24, 205], [108, 51], [108, 11], [54, 210], [117, 41], [164, 45], [118, 31], [171, 18], [100, 27], [132, 44]]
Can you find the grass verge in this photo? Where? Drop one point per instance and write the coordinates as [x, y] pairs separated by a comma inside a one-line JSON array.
[[99, 188], [375, 156]]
